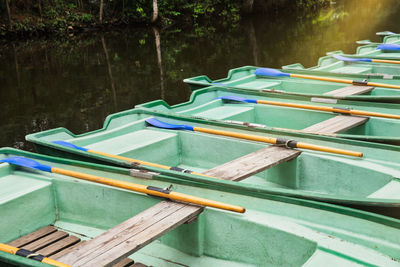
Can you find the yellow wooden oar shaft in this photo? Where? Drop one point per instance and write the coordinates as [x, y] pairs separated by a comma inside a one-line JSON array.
[[329, 109], [386, 61], [391, 86], [273, 140], [327, 79], [145, 189], [140, 162], [14, 250]]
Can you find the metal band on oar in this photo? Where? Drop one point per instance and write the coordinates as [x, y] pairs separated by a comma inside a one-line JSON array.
[[311, 107], [150, 190], [133, 161], [350, 59], [31, 255], [271, 140], [277, 73]]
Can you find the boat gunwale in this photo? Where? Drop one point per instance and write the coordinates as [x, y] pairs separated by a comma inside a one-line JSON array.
[[224, 186]]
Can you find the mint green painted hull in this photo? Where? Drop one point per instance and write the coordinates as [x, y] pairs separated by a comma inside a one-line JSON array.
[[275, 230], [331, 64], [371, 51], [370, 181], [204, 103], [244, 78]]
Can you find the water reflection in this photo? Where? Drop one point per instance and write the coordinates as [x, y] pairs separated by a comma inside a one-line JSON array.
[[76, 82]]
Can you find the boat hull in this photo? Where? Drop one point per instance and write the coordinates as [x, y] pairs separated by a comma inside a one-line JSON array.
[[126, 134], [313, 231]]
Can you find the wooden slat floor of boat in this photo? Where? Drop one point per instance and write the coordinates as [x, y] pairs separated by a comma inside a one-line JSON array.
[[336, 124], [350, 90], [50, 242]]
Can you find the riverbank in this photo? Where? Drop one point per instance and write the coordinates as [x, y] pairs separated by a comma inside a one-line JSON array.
[[53, 17]]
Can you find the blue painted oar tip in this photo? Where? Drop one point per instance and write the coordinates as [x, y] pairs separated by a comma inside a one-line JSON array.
[[348, 59], [67, 144], [237, 98], [160, 124], [26, 162], [270, 72], [388, 47]]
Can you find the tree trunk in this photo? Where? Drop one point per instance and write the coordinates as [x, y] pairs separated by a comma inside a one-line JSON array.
[[40, 7], [253, 41], [8, 13], [155, 11], [101, 12], [248, 6], [159, 61], [114, 93]]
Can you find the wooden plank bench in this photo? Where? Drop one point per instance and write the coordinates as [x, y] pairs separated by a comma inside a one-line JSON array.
[[336, 124], [350, 90]]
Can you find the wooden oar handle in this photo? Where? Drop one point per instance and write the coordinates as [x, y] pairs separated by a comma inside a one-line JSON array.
[[146, 163], [386, 61], [154, 191], [279, 141], [327, 79], [330, 149]]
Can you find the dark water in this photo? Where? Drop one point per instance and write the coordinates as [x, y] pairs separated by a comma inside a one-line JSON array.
[[77, 81]]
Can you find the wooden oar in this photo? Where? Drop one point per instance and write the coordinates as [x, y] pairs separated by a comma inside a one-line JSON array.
[[134, 161], [270, 140], [31, 255], [150, 190], [311, 107], [350, 59], [277, 73]]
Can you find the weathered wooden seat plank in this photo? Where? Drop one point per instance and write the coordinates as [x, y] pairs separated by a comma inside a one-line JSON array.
[[66, 250], [350, 90], [59, 245], [253, 163], [45, 241], [336, 124], [29, 238]]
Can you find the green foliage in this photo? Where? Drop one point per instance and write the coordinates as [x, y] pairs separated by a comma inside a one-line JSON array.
[[60, 15]]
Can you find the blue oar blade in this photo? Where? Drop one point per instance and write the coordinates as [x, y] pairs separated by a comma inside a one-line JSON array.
[[270, 72], [29, 163], [237, 98], [67, 144], [160, 124], [223, 84], [388, 47], [342, 58]]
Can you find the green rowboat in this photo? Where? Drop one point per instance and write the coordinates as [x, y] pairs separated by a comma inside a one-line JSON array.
[[244, 78], [373, 51], [331, 64], [274, 230], [369, 181], [206, 103]]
